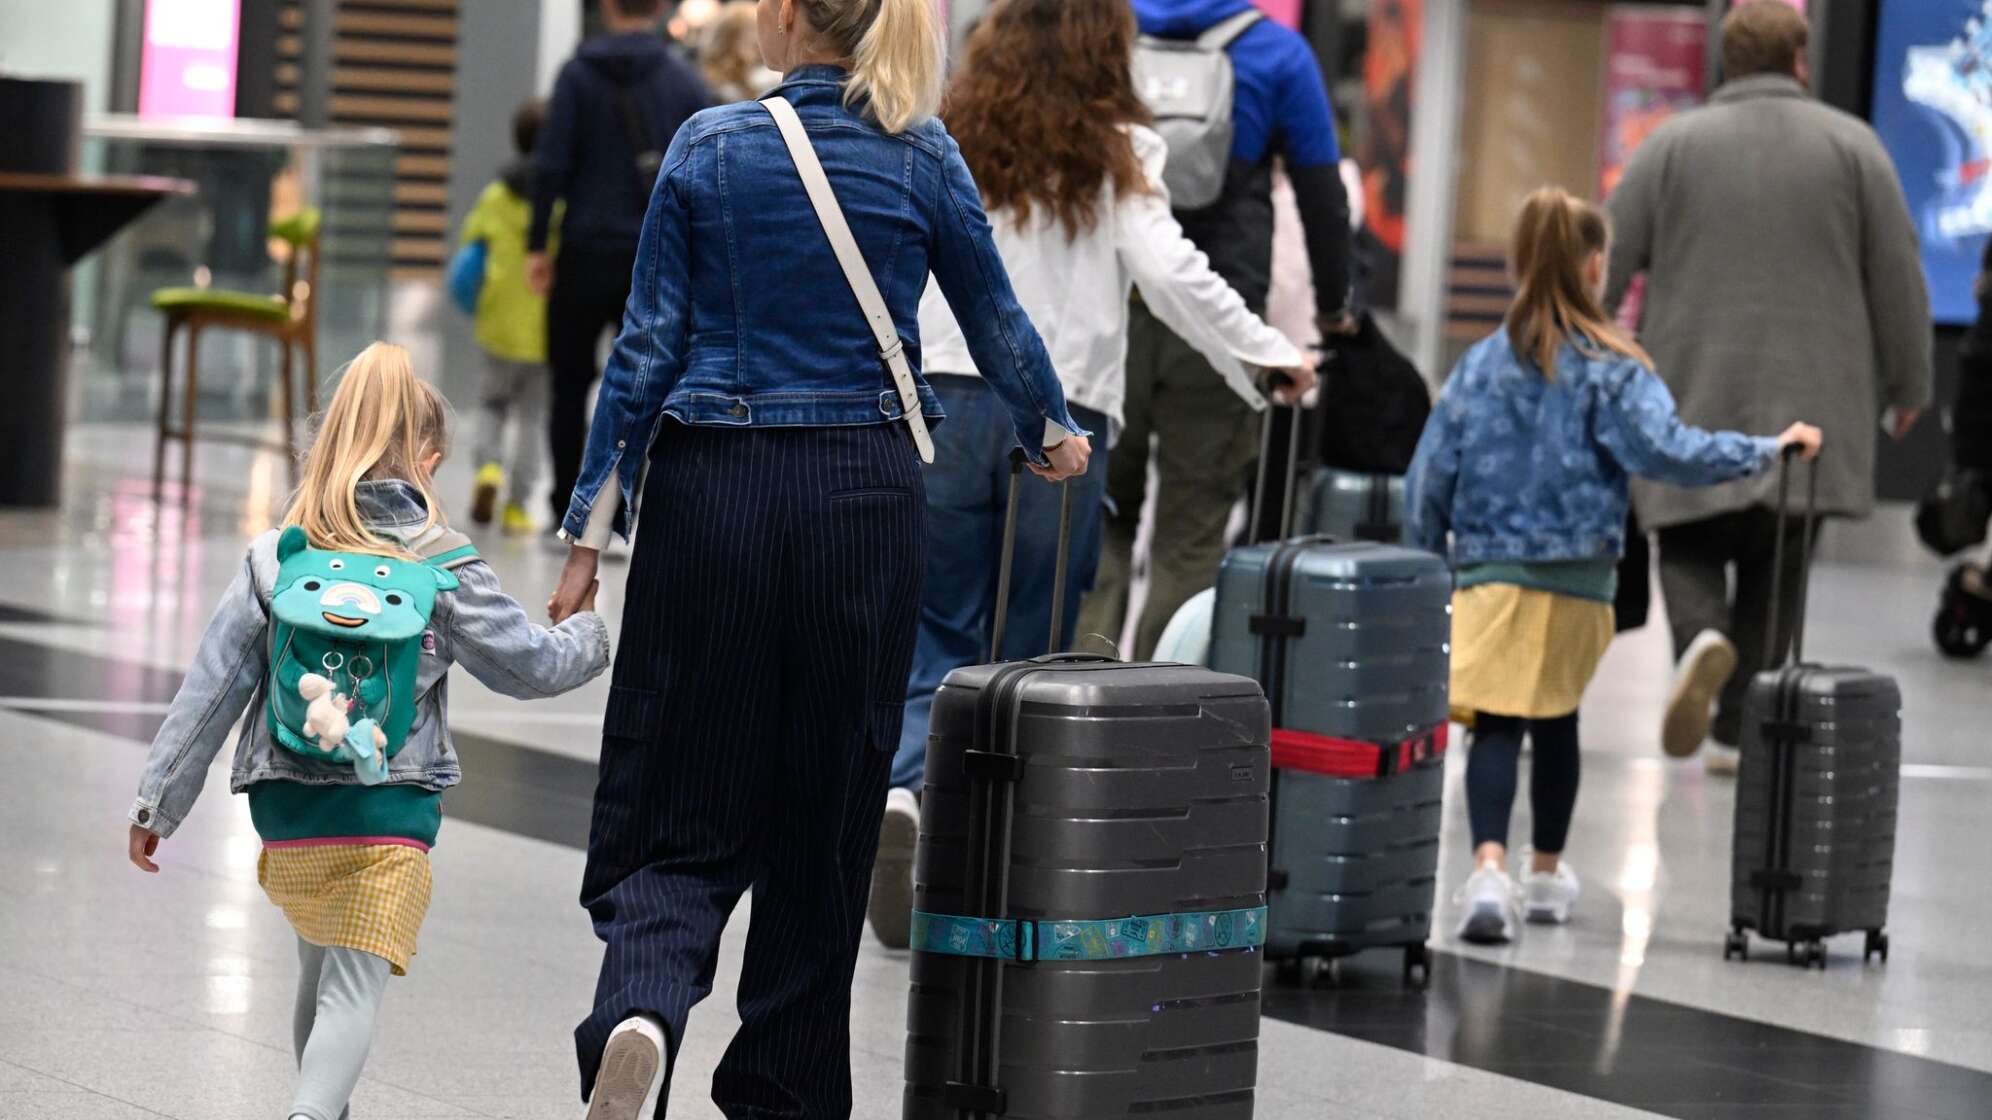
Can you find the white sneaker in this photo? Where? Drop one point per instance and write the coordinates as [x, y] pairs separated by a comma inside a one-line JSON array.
[[1488, 899], [1706, 665], [1721, 761], [632, 1073], [891, 907], [1548, 896]]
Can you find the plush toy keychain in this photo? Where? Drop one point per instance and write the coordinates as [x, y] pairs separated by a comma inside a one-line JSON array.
[[327, 720]]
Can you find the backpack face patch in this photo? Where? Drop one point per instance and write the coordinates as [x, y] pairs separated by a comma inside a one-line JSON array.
[[365, 598], [346, 642]]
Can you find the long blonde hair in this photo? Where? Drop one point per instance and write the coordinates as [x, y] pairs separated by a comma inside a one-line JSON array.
[[898, 55], [728, 54], [382, 423], [1555, 236]]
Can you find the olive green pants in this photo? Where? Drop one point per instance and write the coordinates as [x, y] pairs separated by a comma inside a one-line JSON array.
[[1183, 417]]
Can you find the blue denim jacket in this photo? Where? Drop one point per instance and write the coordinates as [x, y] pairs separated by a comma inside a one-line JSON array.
[[1519, 467], [477, 626], [738, 312]]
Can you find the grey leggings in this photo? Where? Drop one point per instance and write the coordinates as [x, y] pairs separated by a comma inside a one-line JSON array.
[[338, 994]]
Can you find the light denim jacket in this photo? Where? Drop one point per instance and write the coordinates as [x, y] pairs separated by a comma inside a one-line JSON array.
[[477, 626], [1524, 468], [739, 315]]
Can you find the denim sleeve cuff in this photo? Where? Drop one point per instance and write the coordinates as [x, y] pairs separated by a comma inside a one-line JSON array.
[[146, 815], [601, 524], [1768, 450]]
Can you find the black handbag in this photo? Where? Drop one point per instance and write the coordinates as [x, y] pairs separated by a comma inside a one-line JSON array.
[[1953, 515], [1373, 404]]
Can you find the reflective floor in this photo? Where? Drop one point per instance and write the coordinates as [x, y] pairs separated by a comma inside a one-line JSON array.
[[124, 995]]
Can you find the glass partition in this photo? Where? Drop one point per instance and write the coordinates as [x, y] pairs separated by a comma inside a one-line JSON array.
[[249, 173]]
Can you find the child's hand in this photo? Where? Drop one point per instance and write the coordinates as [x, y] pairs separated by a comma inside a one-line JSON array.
[[1805, 437], [144, 842]]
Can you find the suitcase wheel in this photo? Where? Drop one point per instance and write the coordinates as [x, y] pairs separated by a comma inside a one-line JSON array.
[[1736, 946], [1877, 942], [1807, 955], [1417, 966]]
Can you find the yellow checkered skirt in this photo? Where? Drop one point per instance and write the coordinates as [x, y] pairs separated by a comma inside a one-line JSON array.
[[1517, 651], [369, 897]]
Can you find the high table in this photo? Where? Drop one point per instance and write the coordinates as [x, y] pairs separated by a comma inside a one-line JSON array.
[[47, 223]]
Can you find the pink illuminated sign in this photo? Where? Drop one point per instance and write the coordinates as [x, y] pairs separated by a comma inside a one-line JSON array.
[[188, 65]]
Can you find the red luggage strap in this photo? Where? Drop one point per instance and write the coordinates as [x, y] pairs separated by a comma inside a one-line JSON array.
[[1353, 758]]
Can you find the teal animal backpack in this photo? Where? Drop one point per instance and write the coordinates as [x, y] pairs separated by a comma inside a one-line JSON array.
[[346, 639]]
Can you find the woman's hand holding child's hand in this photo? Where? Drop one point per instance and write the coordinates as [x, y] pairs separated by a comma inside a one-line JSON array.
[[144, 842], [1805, 437], [576, 591]]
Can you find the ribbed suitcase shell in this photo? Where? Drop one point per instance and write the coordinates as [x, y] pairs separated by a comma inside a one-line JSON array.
[[1143, 791], [1356, 859], [1352, 506], [1373, 663], [1823, 809]]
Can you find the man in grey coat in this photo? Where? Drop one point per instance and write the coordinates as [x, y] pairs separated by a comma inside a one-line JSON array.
[[1782, 281]]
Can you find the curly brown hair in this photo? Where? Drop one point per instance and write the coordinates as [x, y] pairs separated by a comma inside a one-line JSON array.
[[1040, 105]]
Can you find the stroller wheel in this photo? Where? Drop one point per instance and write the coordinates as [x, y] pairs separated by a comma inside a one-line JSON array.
[[1963, 626]]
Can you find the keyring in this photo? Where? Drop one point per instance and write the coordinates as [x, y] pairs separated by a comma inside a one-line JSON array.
[[333, 661], [360, 673]]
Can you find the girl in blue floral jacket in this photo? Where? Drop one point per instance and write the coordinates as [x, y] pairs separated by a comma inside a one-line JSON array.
[[1523, 468]]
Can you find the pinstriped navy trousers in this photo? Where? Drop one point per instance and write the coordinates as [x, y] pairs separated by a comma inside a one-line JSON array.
[[757, 698]]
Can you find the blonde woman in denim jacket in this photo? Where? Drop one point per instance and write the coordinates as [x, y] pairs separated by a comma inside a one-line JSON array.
[[772, 595]]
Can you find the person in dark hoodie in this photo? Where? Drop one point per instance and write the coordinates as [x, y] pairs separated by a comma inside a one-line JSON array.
[[615, 107], [1205, 435]]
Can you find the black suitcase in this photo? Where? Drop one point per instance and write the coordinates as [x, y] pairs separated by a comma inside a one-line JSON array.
[[1089, 893], [1816, 797]]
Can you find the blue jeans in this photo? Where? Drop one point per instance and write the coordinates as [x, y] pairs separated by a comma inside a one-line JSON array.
[[968, 486]]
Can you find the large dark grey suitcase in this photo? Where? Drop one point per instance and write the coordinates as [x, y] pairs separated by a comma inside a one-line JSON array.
[[1089, 894], [1816, 796], [1355, 507], [1351, 643]]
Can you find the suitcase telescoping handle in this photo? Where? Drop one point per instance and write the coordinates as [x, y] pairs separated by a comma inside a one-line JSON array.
[[1797, 655], [1010, 555], [1292, 468]]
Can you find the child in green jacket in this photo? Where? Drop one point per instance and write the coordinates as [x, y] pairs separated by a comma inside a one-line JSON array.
[[511, 330]]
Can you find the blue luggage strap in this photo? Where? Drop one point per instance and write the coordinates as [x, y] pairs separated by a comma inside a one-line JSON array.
[[1152, 935]]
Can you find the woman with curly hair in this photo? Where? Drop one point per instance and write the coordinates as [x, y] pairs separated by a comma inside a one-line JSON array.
[[1048, 120]]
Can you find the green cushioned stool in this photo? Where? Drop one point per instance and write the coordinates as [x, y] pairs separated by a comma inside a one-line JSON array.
[[289, 317]]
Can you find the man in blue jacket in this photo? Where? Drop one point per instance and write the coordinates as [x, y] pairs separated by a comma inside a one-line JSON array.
[[1204, 435], [615, 107]]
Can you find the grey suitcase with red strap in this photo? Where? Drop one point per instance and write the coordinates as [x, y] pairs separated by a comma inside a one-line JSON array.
[[1351, 642], [1816, 798], [1089, 893]]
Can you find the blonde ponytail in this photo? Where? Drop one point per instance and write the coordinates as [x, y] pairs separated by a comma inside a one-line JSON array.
[[898, 53], [1555, 235], [382, 423]]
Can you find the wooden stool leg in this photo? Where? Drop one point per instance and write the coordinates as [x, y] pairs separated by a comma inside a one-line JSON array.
[[193, 391], [165, 407], [289, 398]]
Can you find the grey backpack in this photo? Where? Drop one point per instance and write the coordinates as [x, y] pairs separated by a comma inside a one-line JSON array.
[[1188, 85]]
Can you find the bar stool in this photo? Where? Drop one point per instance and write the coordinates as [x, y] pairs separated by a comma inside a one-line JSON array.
[[289, 317]]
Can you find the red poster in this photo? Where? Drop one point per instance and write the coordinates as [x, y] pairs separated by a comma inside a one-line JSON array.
[[1656, 67], [1384, 152]]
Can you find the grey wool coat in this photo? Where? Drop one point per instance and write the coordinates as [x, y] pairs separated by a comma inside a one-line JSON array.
[[1783, 283]]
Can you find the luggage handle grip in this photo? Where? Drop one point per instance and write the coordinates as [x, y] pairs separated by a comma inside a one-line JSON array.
[[1796, 655], [1009, 558]]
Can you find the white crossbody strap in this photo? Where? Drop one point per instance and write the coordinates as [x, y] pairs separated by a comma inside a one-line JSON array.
[[890, 350]]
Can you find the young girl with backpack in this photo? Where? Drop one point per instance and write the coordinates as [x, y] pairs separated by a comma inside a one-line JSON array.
[[1523, 468], [336, 637]]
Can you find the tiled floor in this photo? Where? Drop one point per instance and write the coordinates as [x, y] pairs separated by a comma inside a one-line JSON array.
[[124, 995]]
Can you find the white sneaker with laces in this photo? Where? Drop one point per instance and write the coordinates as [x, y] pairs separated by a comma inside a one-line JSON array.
[[1705, 666], [1549, 896], [1487, 900], [632, 1073], [891, 905]]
